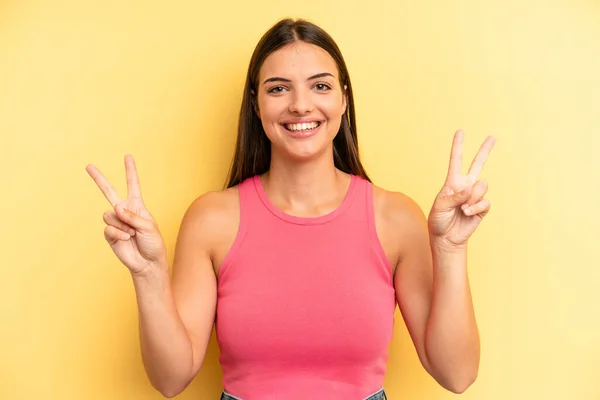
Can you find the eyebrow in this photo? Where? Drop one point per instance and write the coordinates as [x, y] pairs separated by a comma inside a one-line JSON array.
[[278, 79]]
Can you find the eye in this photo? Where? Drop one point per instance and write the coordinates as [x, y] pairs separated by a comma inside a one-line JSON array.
[[322, 87], [276, 89]]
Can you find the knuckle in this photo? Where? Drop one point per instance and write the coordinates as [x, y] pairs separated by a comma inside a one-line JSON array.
[[124, 214], [481, 190]]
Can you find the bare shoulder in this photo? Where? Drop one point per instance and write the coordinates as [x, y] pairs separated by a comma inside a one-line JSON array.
[[399, 221], [214, 207], [205, 227], [214, 219], [395, 204]]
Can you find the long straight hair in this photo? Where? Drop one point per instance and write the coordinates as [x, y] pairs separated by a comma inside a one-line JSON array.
[[253, 148]]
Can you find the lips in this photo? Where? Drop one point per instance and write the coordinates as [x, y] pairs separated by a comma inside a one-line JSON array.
[[302, 129], [301, 126]]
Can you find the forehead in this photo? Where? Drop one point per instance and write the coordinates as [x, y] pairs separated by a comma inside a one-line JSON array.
[[297, 60]]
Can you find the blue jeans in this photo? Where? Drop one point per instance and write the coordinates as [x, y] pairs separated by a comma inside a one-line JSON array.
[[380, 395]]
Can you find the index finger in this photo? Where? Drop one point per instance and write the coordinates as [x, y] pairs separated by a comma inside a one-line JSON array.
[[133, 181], [107, 189], [455, 167], [481, 156]]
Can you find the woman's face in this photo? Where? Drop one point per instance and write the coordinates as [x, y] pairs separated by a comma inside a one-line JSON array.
[[300, 101]]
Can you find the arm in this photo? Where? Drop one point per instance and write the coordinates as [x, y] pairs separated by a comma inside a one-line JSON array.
[[432, 291], [432, 285], [452, 337], [176, 318]]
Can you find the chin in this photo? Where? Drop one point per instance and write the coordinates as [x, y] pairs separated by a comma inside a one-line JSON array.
[[301, 147], [307, 152]]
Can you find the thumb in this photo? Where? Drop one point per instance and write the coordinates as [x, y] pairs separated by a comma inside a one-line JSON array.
[[138, 222], [449, 199]]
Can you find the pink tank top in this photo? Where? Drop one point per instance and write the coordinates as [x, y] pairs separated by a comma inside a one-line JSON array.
[[305, 306]]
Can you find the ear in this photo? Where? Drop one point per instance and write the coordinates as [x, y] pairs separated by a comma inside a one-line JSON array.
[[254, 101]]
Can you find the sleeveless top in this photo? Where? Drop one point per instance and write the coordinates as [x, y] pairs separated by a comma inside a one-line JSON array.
[[305, 305]]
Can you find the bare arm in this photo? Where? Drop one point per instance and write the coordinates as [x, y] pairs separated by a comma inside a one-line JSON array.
[[176, 319], [431, 280], [432, 290], [452, 337], [175, 316], [433, 296]]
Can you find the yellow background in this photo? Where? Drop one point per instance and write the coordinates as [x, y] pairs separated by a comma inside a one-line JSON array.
[[88, 82]]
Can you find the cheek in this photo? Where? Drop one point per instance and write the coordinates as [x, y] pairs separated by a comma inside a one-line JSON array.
[[270, 111], [271, 108], [332, 107], [333, 102]]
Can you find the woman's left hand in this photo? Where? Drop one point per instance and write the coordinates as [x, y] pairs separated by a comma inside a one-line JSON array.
[[460, 205]]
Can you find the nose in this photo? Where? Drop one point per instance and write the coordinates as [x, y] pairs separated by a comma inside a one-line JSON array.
[[301, 102]]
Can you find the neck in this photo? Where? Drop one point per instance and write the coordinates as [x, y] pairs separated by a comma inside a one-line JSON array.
[[304, 187]]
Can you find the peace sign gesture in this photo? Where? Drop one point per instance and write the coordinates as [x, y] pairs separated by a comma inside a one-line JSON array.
[[130, 230], [460, 206]]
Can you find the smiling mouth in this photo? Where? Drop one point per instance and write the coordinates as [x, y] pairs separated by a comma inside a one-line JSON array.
[[303, 127]]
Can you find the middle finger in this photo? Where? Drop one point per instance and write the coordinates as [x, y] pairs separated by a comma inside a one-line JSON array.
[[481, 157]]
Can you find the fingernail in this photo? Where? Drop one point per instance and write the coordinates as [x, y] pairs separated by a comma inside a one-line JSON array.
[[131, 232], [467, 210]]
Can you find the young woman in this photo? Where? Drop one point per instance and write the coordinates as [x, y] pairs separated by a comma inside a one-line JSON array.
[[300, 262]]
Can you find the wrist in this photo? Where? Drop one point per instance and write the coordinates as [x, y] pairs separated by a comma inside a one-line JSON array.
[[442, 245], [155, 272]]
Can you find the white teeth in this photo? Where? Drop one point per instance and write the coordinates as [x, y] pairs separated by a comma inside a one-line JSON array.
[[301, 127]]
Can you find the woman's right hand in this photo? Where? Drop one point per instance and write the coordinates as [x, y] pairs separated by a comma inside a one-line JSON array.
[[130, 230]]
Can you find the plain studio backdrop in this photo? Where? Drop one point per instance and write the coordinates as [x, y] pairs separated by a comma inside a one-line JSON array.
[[88, 82]]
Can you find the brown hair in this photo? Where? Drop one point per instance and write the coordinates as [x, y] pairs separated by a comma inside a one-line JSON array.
[[253, 148]]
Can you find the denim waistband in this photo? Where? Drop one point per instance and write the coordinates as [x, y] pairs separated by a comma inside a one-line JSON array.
[[379, 395]]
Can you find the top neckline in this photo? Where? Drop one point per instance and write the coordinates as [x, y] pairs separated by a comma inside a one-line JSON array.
[[305, 220]]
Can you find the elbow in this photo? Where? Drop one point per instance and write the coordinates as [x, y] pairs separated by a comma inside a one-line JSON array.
[[169, 395], [459, 389], [457, 381], [169, 391], [170, 388], [170, 381], [455, 375], [460, 385]]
